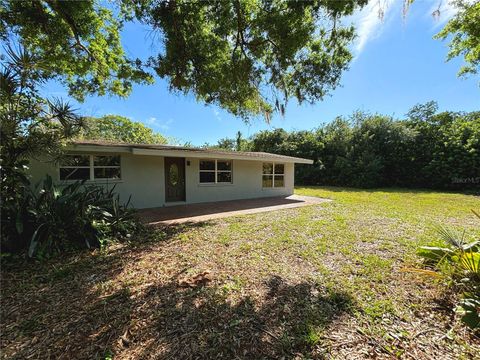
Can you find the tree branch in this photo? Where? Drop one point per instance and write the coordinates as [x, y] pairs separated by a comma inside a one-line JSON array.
[[71, 23]]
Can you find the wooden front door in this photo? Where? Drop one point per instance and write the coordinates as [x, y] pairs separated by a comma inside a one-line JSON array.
[[174, 179]]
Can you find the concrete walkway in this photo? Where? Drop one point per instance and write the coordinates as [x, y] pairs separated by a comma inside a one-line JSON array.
[[206, 211]]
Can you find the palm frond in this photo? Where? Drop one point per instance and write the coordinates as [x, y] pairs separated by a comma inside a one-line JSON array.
[[65, 115], [8, 82], [452, 237]]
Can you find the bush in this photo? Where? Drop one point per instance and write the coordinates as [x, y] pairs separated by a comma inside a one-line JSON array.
[[458, 264], [55, 218], [427, 149]]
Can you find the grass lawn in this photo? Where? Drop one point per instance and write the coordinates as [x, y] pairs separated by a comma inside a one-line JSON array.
[[323, 281]]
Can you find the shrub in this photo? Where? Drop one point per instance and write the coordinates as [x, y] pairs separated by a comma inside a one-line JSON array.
[[458, 263], [55, 218], [426, 149]]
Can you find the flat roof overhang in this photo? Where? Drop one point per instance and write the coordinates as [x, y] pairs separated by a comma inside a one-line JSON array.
[[194, 153]]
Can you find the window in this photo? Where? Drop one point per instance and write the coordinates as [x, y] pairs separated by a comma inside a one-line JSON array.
[[75, 167], [106, 167], [90, 167], [273, 175], [216, 172]]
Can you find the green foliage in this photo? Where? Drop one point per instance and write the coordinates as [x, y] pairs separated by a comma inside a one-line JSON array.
[[78, 43], [301, 144], [464, 31], [30, 123], [226, 144], [248, 56], [459, 264], [468, 310], [120, 129], [59, 217], [239, 143], [14, 190], [31, 126], [427, 149], [251, 56]]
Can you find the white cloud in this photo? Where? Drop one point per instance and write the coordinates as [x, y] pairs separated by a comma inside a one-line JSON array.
[[370, 21], [217, 114], [165, 125], [159, 124], [151, 121]]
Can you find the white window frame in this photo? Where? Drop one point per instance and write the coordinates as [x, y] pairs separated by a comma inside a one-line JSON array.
[[273, 174], [215, 171], [92, 168]]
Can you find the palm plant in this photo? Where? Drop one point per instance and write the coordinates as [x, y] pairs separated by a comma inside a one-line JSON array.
[[459, 263], [461, 254]]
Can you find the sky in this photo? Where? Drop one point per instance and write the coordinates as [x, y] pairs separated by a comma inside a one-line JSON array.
[[396, 65]]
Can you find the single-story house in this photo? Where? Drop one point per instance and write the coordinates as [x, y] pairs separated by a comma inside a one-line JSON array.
[[161, 175]]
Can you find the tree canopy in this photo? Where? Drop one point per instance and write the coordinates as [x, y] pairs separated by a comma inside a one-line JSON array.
[[121, 129], [464, 30], [426, 149], [248, 56], [78, 43]]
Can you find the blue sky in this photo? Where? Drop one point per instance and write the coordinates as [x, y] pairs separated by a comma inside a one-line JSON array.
[[397, 65]]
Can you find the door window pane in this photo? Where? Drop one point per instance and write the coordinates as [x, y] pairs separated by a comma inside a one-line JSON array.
[[173, 174]]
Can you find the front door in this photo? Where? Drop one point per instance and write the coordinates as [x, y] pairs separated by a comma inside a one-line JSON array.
[[174, 179]]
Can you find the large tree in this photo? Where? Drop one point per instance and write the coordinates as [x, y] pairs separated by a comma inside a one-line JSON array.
[[77, 41], [120, 129], [248, 56]]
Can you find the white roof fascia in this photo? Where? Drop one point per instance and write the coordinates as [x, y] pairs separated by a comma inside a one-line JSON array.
[[213, 155], [202, 154]]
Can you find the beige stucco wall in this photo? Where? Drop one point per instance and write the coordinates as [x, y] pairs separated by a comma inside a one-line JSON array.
[[143, 178]]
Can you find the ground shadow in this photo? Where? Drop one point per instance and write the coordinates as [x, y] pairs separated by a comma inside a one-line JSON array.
[[50, 310], [166, 215], [202, 323]]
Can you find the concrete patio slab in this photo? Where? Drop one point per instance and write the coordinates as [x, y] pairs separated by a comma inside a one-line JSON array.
[[214, 210]]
